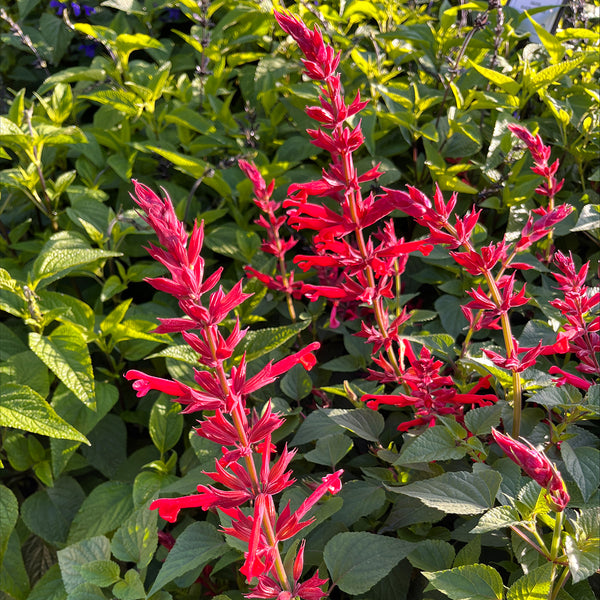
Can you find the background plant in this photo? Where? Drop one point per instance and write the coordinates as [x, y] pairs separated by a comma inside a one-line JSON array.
[[176, 94]]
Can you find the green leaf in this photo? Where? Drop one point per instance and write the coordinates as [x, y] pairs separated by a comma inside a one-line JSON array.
[[14, 580], [361, 498], [316, 425], [108, 445], [458, 493], [100, 572], [364, 422], [23, 408], [533, 586], [82, 417], [497, 518], [479, 421], [131, 588], [432, 555], [194, 548], [358, 560], [50, 586], [435, 443], [589, 218], [468, 554], [64, 253], [506, 83], [330, 450], [296, 383], [555, 48], [471, 582], [9, 513], [582, 463], [259, 342], [135, 541], [166, 423], [66, 354], [104, 510], [48, 513], [72, 558], [553, 73]]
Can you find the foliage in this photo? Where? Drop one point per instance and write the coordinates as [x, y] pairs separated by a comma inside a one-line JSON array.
[[181, 95]]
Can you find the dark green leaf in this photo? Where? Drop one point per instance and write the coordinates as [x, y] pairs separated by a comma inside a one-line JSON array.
[[358, 560], [366, 423]]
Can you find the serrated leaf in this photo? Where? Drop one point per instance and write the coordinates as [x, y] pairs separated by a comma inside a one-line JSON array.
[[583, 562], [65, 353], [63, 255], [103, 511], [23, 408], [364, 422], [435, 443], [553, 73], [131, 588], [479, 421], [535, 585], [497, 518], [259, 342], [589, 218], [73, 557], [100, 572], [456, 493], [361, 498], [432, 555], [358, 560], [135, 541], [582, 463], [296, 383], [316, 425], [194, 548], [471, 582]]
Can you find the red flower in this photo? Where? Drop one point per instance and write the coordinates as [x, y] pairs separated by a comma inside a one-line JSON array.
[[537, 466]]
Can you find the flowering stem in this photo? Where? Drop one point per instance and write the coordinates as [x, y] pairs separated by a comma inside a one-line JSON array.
[[542, 551], [558, 585]]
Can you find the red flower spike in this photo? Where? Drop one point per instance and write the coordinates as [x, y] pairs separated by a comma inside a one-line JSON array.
[[537, 466]]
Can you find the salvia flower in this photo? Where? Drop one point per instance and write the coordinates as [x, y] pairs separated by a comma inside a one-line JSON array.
[[244, 435], [537, 466]]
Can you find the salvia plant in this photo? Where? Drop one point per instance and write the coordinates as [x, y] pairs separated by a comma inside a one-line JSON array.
[[375, 372]]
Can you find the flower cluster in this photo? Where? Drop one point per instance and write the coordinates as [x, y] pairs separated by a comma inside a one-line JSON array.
[[537, 466], [224, 391], [581, 332], [275, 244], [76, 8]]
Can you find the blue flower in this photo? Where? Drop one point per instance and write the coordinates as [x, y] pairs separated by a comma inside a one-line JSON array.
[[59, 6]]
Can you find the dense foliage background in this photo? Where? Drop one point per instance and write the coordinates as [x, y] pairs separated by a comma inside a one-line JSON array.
[[174, 94]]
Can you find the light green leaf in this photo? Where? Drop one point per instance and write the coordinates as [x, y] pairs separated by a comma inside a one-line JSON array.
[[533, 586], [135, 541], [64, 253], [555, 48], [497, 518], [358, 560], [589, 218], [72, 558], [131, 588], [23, 408], [457, 493], [583, 561], [506, 83], [194, 548], [66, 354], [259, 342], [553, 73], [471, 582], [364, 422], [100, 572]]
